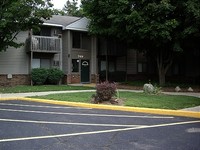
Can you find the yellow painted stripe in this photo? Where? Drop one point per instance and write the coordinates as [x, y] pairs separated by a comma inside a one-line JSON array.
[[113, 107]]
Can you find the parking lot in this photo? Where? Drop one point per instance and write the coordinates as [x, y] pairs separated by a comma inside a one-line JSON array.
[[28, 125]]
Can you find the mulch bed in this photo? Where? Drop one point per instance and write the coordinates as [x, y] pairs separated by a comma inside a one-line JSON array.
[[113, 101]]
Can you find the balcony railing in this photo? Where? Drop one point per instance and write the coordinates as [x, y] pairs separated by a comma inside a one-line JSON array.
[[45, 44]]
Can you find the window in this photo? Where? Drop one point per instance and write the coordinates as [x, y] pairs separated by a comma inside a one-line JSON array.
[[76, 40], [40, 63], [36, 63], [75, 65], [103, 65], [81, 40], [142, 67]]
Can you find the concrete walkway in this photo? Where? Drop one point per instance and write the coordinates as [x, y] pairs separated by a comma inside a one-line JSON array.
[[18, 95]]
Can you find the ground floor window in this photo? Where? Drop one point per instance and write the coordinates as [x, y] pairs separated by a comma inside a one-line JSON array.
[[41, 63], [75, 65], [142, 67]]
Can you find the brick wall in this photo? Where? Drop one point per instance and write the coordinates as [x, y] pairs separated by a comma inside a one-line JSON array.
[[94, 78], [15, 80], [75, 78]]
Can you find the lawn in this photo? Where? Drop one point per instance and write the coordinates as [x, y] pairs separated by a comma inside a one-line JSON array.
[[134, 99], [41, 88], [130, 98]]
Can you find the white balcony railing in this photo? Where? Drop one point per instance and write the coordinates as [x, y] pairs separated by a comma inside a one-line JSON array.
[[45, 44]]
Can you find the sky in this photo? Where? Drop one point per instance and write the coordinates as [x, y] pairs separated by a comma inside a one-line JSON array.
[[59, 4]]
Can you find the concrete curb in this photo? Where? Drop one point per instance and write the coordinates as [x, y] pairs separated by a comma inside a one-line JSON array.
[[113, 107]]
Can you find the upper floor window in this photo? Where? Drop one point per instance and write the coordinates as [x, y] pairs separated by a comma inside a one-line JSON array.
[[81, 40], [76, 40]]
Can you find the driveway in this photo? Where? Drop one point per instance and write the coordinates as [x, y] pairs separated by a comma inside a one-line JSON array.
[[36, 126]]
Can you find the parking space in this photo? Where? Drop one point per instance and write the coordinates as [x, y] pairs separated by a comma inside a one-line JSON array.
[[38, 126]]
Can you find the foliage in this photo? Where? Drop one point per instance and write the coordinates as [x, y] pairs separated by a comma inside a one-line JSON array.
[[158, 28], [50, 76], [20, 15], [54, 75], [39, 75], [58, 12], [72, 9], [105, 91], [157, 89]]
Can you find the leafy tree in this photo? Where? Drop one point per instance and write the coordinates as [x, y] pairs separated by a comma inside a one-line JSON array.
[[20, 15], [72, 9], [58, 12], [158, 28]]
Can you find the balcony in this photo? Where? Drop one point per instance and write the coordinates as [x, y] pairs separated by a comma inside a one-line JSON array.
[[45, 44]]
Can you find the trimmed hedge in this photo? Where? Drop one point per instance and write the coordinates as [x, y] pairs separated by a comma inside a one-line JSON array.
[[54, 75], [42, 76], [39, 76]]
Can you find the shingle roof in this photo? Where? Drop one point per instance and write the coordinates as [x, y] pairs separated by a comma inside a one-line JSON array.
[[79, 25], [61, 20]]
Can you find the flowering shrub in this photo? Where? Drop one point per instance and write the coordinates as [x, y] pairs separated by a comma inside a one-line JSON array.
[[105, 91]]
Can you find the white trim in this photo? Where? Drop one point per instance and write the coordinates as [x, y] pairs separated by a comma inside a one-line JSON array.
[[52, 24], [76, 29]]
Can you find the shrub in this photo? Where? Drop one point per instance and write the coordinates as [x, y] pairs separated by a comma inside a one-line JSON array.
[[54, 75], [105, 91], [39, 75]]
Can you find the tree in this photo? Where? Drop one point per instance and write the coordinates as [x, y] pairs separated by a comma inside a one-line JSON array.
[[158, 28], [72, 9], [20, 15], [58, 12]]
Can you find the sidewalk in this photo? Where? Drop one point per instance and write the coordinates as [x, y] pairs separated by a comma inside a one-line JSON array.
[[19, 95]]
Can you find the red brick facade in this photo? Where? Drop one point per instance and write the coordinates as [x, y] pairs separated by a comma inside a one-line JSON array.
[[76, 78], [26, 79], [14, 80]]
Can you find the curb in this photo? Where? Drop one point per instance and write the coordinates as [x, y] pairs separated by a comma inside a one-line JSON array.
[[180, 113]]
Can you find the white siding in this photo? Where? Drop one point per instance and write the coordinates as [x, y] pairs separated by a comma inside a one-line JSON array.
[[15, 61]]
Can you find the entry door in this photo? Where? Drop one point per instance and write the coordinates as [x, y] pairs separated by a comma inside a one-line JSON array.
[[85, 71]]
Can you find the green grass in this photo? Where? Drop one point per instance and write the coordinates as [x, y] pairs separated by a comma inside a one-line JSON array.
[[42, 88], [159, 101], [134, 99]]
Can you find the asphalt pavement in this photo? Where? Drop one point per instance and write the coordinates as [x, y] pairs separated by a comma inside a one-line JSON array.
[[27, 125]]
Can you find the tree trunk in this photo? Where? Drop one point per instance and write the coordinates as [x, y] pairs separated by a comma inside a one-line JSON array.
[[161, 76], [163, 65]]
